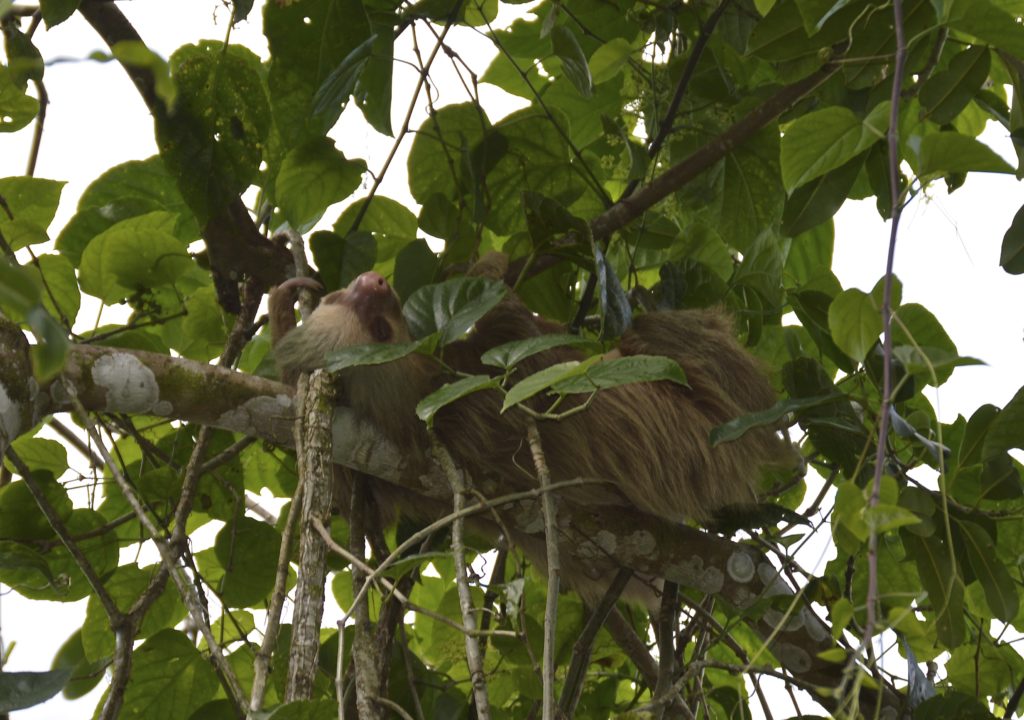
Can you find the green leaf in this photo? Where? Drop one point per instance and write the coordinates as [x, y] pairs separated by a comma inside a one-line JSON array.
[[950, 152], [738, 427], [242, 547], [947, 92], [609, 59], [32, 201], [528, 154], [128, 190], [451, 308], [100, 548], [308, 41], [17, 556], [342, 259], [849, 512], [201, 332], [1000, 589], [84, 674], [169, 679], [23, 57], [826, 139], [927, 343], [437, 140], [375, 87], [886, 516], [987, 669], [137, 253], [125, 586], [51, 350], [574, 61], [376, 354], [960, 705], [61, 296], [854, 322], [42, 454], [213, 141], [448, 393], [833, 655], [240, 10], [20, 690], [817, 201], [987, 21], [312, 177], [546, 378], [133, 53], [940, 578], [622, 371], [510, 354], [1007, 429], [1011, 255], [392, 224], [19, 290], [415, 267], [336, 88], [57, 11], [16, 108]]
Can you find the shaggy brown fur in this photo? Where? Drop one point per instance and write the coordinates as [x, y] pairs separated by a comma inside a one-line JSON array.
[[646, 444]]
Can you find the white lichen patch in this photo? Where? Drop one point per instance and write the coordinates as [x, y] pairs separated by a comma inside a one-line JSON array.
[[255, 413], [793, 658], [640, 542], [10, 418], [740, 567], [692, 573], [774, 584], [528, 517], [131, 387], [779, 620], [598, 548], [818, 631]]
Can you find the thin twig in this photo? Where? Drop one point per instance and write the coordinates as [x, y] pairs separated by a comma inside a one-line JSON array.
[[187, 591], [668, 615], [313, 451], [50, 513], [394, 707], [364, 651], [400, 136], [630, 208], [75, 440], [547, 500], [339, 671], [261, 665], [883, 421], [389, 587], [473, 656], [575, 676], [443, 522], [37, 134]]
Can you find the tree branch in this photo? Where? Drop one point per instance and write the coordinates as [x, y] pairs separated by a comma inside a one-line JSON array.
[[172, 387], [235, 245], [629, 208]]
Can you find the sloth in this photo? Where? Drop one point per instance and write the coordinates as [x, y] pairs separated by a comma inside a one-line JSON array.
[[645, 445]]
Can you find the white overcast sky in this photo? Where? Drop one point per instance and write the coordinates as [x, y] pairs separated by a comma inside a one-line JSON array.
[[947, 256]]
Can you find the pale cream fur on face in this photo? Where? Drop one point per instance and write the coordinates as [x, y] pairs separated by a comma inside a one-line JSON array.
[[332, 326]]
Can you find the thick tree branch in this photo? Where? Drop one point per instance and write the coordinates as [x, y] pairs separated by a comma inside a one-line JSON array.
[[312, 437], [133, 381]]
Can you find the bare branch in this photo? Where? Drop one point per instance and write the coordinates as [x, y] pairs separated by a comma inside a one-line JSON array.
[[474, 658], [313, 440]]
